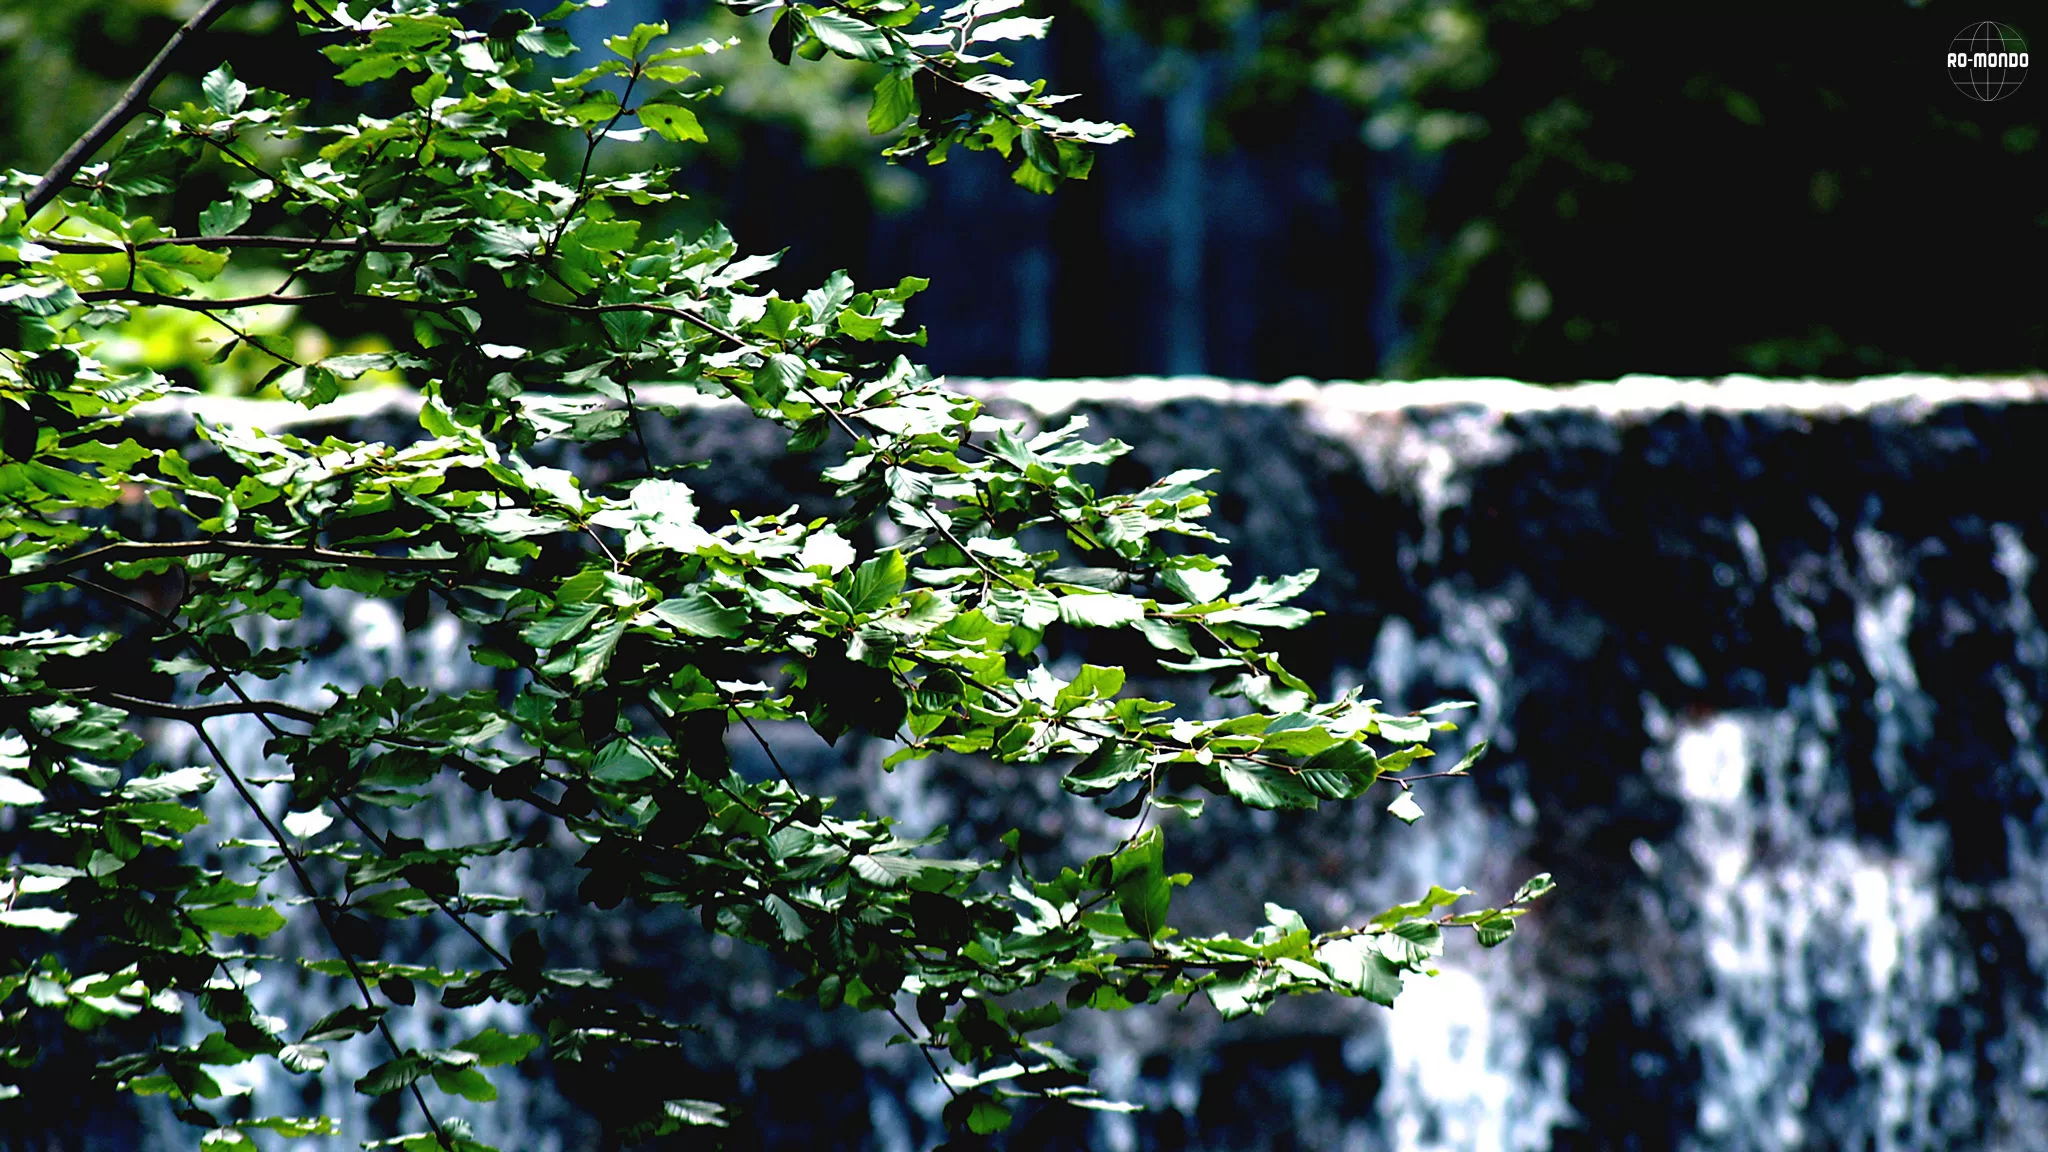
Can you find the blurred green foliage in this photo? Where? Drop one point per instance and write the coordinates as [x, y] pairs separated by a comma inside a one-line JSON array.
[[1735, 187], [1545, 189]]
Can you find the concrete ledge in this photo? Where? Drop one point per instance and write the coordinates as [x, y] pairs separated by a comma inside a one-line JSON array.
[[1629, 398]]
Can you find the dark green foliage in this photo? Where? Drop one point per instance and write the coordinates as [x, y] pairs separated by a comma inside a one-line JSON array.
[[639, 640]]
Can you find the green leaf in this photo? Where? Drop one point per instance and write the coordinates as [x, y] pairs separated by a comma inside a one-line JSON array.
[[294, 1126], [1341, 772], [344, 1022], [1166, 636], [826, 300], [1197, 585], [673, 122], [781, 373], [621, 761], [223, 91], [697, 614], [38, 919], [1406, 729], [895, 100], [787, 919], [223, 217], [635, 42], [876, 582], [306, 824], [850, 35], [1259, 786], [1104, 769], [1405, 809], [1094, 683], [1413, 943], [784, 33], [1262, 617], [429, 90], [494, 1048], [311, 387], [1357, 964], [884, 871], [1296, 734], [976, 1112], [18, 792], [987, 1117], [169, 785], [1101, 610], [238, 919], [392, 1075], [1138, 878], [1041, 151], [1466, 761], [696, 1113], [1492, 933], [1437, 897], [593, 654], [1030, 608], [187, 259], [560, 626], [467, 1083]]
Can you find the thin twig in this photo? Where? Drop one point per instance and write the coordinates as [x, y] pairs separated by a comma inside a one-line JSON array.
[[824, 825], [639, 437], [262, 714], [923, 1051], [362, 242], [382, 846], [691, 315], [590, 152], [151, 550], [188, 712], [205, 303], [322, 907], [124, 110]]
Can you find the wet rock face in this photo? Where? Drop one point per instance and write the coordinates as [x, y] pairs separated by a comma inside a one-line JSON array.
[[1763, 668]]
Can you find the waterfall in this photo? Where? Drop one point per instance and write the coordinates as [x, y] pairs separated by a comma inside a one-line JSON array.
[[1761, 665]]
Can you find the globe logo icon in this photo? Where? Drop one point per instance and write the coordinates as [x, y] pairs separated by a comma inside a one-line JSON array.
[[1987, 61]]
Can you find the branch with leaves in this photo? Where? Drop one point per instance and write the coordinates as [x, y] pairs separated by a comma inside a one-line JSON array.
[[625, 635]]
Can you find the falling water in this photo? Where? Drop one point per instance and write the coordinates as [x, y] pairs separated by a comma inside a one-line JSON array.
[[1762, 671], [377, 648]]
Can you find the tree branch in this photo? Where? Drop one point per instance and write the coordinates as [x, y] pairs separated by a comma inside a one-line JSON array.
[[150, 550], [208, 304], [694, 317], [192, 712], [383, 845], [322, 906], [263, 712], [124, 110], [360, 242]]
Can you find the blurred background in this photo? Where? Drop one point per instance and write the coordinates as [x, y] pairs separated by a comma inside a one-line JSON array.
[[1548, 190]]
